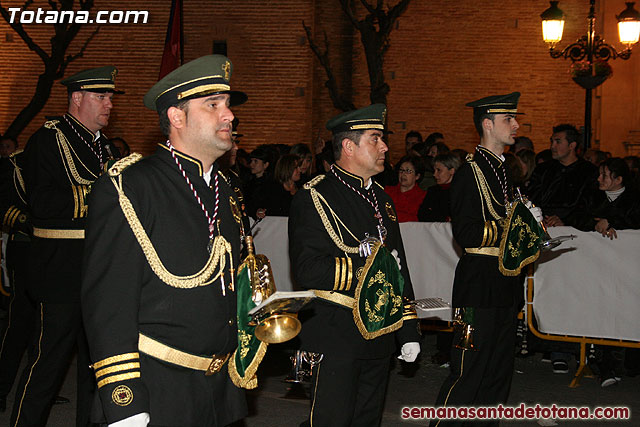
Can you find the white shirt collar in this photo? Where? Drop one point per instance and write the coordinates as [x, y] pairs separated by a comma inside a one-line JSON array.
[[207, 175]]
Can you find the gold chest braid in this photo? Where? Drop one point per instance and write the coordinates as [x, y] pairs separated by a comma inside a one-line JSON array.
[[68, 154], [217, 258]]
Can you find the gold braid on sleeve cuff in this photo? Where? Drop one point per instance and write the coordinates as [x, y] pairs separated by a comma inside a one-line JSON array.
[[121, 367], [10, 216], [489, 234], [343, 274], [409, 312]]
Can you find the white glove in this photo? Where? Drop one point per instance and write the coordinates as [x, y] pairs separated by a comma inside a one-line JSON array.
[[535, 211], [395, 255], [138, 420], [409, 351]]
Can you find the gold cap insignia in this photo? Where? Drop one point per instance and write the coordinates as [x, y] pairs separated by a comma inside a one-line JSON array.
[[390, 212], [384, 116], [114, 73], [122, 395], [227, 69]]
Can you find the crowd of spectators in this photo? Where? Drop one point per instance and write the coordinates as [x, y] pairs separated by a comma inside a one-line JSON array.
[[590, 190]]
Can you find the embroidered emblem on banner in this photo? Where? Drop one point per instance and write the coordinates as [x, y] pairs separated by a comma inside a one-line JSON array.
[[383, 296], [390, 212], [359, 272], [235, 210], [122, 395]]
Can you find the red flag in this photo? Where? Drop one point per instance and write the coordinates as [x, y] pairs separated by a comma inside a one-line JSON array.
[[172, 55]]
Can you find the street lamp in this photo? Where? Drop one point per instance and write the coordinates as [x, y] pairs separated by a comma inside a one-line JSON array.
[[590, 51]]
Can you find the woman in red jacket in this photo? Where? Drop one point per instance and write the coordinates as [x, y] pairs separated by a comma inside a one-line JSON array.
[[407, 196]]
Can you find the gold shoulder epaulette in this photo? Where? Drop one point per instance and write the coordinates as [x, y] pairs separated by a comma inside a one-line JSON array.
[[15, 153], [124, 163], [379, 185], [469, 158], [51, 124], [313, 182]]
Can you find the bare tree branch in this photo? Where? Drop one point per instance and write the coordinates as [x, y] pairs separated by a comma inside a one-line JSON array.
[[80, 54], [55, 62], [370, 8], [334, 93], [348, 10], [18, 28]]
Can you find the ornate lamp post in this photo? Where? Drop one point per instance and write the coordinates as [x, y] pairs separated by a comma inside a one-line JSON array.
[[590, 53]]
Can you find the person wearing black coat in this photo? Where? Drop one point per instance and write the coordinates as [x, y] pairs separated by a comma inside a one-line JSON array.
[[62, 160], [617, 206], [350, 381], [480, 197]]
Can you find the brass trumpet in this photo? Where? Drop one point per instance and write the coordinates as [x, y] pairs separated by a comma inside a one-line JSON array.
[[275, 328]]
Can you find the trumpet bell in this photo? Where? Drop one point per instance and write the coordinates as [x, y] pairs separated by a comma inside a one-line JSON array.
[[466, 341], [278, 328]]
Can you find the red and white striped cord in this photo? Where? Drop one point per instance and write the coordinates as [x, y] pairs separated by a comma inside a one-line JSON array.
[[503, 185], [210, 219], [98, 154], [375, 207]]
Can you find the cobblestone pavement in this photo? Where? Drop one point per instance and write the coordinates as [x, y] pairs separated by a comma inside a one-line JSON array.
[[274, 403]]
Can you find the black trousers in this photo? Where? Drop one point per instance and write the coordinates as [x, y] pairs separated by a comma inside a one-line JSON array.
[[59, 332], [481, 377], [21, 316], [348, 392]]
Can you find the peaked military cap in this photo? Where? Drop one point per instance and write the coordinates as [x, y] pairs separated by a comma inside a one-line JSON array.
[[207, 75], [234, 128], [102, 79], [496, 104], [371, 117]]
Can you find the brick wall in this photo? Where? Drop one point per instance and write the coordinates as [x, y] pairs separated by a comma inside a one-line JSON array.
[[442, 55]]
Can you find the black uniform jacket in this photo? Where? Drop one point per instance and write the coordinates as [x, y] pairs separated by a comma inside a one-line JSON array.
[[60, 167], [318, 263], [478, 281], [564, 190], [622, 214], [13, 199], [122, 296]]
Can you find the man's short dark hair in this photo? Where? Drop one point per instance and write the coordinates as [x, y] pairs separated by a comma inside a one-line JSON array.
[[413, 134], [478, 118], [571, 133], [433, 138], [336, 142], [165, 124]]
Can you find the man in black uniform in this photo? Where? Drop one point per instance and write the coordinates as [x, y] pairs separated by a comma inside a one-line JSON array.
[[480, 195], [163, 245], [331, 224], [16, 220], [62, 160]]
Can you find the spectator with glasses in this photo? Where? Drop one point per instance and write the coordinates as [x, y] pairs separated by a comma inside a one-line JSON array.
[[407, 196]]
